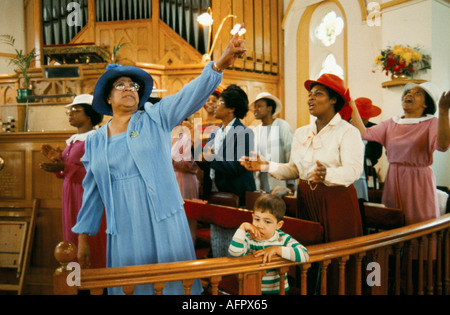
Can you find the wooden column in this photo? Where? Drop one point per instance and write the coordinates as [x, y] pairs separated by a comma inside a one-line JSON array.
[[155, 41], [38, 38], [251, 283], [92, 18]]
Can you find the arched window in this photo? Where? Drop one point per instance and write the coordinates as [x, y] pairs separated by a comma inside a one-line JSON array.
[[326, 41], [321, 47], [329, 65], [329, 29]]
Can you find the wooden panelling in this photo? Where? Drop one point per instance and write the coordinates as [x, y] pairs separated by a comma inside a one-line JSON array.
[[276, 36], [174, 50], [8, 93], [12, 176], [238, 10], [259, 35], [135, 33], [21, 180], [252, 84], [53, 186]]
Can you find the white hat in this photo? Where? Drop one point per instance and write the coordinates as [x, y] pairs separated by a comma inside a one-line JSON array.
[[432, 90], [81, 99], [269, 96]]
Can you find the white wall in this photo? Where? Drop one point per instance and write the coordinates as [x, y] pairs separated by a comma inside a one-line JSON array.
[[441, 60], [11, 23]]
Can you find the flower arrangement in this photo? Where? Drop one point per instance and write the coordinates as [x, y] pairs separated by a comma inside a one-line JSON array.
[[402, 61]]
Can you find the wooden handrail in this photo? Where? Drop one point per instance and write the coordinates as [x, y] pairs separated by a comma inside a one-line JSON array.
[[215, 269], [382, 239]]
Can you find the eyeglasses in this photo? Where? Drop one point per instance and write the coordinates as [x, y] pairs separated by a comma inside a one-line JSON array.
[[73, 111], [133, 86]]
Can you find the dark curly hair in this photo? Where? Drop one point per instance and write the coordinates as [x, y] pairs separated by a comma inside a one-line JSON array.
[[235, 97], [95, 117], [340, 102], [431, 107]]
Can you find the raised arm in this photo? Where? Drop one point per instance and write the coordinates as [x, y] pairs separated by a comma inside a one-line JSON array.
[[443, 137], [235, 49], [173, 109], [356, 118]]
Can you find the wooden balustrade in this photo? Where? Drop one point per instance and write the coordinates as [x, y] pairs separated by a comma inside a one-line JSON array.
[[392, 250]]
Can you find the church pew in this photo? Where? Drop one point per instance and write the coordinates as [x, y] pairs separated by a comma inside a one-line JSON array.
[[380, 217], [377, 216], [306, 232]]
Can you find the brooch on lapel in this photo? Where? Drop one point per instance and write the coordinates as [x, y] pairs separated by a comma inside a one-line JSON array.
[[134, 134]]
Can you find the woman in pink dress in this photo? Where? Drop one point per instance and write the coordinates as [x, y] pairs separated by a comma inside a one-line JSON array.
[[185, 166], [68, 166], [183, 162], [410, 141]]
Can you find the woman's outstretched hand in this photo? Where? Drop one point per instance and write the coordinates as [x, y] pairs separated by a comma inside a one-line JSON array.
[[51, 153], [254, 163], [235, 49], [444, 101]]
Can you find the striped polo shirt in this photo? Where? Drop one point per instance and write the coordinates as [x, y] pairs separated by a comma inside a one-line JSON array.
[[243, 243]]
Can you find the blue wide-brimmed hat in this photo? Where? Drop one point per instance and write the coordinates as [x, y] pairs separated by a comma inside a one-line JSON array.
[[113, 72]]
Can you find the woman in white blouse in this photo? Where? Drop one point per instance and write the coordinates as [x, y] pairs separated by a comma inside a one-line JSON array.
[[327, 156]]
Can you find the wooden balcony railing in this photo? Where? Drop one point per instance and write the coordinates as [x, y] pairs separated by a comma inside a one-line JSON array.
[[399, 270]]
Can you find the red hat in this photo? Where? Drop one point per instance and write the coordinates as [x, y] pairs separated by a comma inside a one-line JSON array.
[[346, 113], [333, 82], [366, 109]]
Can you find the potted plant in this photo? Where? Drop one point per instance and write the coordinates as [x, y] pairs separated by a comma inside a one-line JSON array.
[[22, 61]]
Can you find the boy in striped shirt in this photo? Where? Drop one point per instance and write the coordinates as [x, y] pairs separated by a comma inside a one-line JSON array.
[[263, 238]]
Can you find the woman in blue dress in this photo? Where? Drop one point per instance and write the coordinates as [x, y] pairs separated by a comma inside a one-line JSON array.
[[129, 169]]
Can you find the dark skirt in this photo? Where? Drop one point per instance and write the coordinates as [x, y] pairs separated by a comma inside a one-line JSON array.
[[335, 207]]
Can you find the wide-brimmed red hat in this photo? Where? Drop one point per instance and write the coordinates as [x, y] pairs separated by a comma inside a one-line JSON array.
[[333, 82], [346, 113], [366, 109]]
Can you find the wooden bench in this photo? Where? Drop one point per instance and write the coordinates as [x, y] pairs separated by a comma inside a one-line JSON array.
[[17, 224], [306, 232], [379, 217]]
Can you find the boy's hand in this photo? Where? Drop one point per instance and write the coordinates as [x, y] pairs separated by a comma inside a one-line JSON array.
[[253, 230], [268, 253]]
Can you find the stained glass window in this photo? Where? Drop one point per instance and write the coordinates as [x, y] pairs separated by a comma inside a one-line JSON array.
[[331, 66], [329, 29]]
